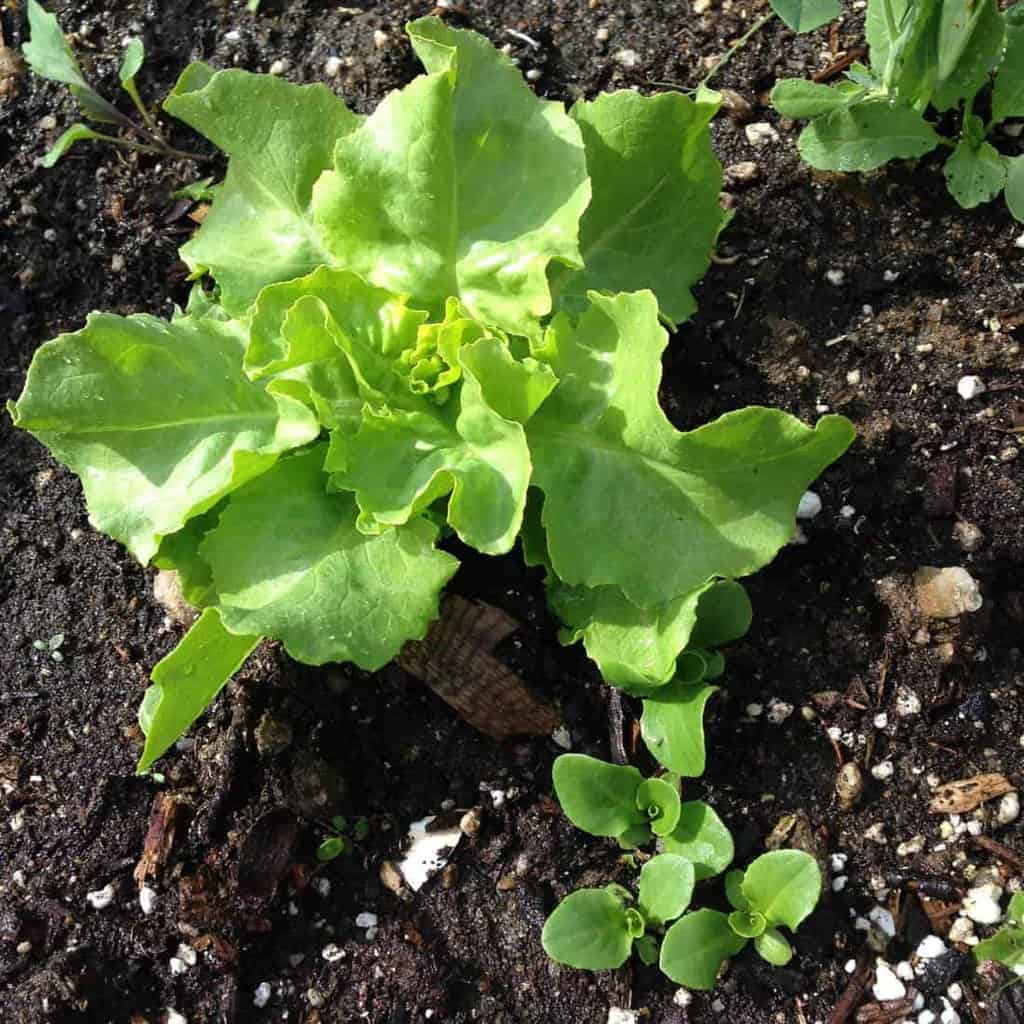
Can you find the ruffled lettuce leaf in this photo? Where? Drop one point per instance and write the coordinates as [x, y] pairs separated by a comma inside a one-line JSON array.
[[157, 419], [631, 502], [288, 562], [654, 216], [280, 138], [463, 184]]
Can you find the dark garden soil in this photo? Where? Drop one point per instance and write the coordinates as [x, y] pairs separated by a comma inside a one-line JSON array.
[[928, 293]]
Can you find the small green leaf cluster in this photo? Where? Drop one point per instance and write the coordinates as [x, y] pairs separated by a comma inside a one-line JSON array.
[[340, 837], [447, 313], [925, 56], [1007, 945], [596, 929], [49, 56]]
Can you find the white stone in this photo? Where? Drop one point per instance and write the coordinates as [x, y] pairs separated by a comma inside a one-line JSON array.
[[853, 377], [178, 966], [970, 387], [616, 1015], [234, 36], [907, 702], [627, 58], [261, 996], [890, 275], [332, 953], [381, 39], [883, 920], [279, 67], [1019, 243], [602, 35], [323, 887], [366, 920], [926, 1017], [961, 930], [173, 1017], [429, 851], [955, 992], [910, 847], [883, 770], [333, 66], [946, 593], [904, 971], [835, 277], [1009, 809], [881, 720], [949, 1015], [839, 861], [562, 738], [968, 536], [887, 985], [147, 900], [683, 998], [534, 75], [981, 904], [809, 506], [100, 899], [760, 133], [117, 263], [839, 883], [187, 954], [931, 947], [779, 711]]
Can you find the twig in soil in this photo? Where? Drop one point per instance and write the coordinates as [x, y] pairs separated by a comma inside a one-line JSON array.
[[854, 991], [998, 850], [837, 67], [615, 723], [736, 47]]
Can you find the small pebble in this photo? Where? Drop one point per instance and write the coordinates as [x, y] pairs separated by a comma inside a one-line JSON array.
[[883, 770], [970, 387], [741, 173], [760, 133], [887, 985], [332, 953], [853, 377], [881, 720], [627, 58], [381, 39], [754, 710], [981, 904], [261, 996], [602, 35], [100, 899], [333, 66], [889, 276], [910, 847], [534, 75], [117, 263], [23, 948], [946, 593], [279, 67], [682, 998], [809, 506], [968, 536], [366, 920], [835, 277], [962, 930], [147, 899], [779, 711], [907, 702], [562, 737], [234, 36], [1009, 809], [931, 947], [173, 1017]]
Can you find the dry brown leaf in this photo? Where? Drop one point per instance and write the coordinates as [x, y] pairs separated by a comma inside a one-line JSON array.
[[940, 914], [966, 794], [455, 661], [163, 821]]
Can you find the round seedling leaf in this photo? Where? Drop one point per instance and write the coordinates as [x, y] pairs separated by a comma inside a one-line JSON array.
[[690, 667], [695, 946], [659, 801], [597, 797], [672, 726], [748, 923], [702, 838], [773, 947], [666, 887], [638, 835], [724, 614], [589, 929], [734, 890], [646, 947], [635, 923], [784, 886]]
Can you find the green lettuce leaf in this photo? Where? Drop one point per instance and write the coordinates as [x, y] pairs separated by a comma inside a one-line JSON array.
[[78, 132], [157, 419], [629, 501], [865, 136], [1008, 92], [672, 726], [187, 680], [288, 562], [280, 138], [463, 184], [975, 172], [654, 216], [971, 40]]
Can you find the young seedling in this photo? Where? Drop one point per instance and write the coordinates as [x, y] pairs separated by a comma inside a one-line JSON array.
[[1007, 945], [49, 56], [779, 888], [336, 842], [597, 929], [394, 344], [950, 55]]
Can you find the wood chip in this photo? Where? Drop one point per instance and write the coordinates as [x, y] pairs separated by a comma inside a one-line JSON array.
[[940, 913], [455, 660], [163, 822], [887, 1012], [966, 794]]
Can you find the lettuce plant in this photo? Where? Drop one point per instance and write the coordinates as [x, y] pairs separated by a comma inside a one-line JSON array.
[[925, 56], [597, 929], [447, 314], [779, 888]]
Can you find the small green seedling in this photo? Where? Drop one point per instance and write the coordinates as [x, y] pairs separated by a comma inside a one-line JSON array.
[[940, 55], [597, 929], [615, 800], [1007, 945], [49, 56], [779, 888], [336, 842], [51, 646]]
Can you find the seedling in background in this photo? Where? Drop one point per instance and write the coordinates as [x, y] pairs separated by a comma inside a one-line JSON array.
[[950, 55], [337, 843], [1007, 945], [597, 929], [779, 888], [49, 56], [51, 646]]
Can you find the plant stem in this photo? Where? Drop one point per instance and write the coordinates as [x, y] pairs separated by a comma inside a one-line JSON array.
[[129, 87], [737, 46]]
